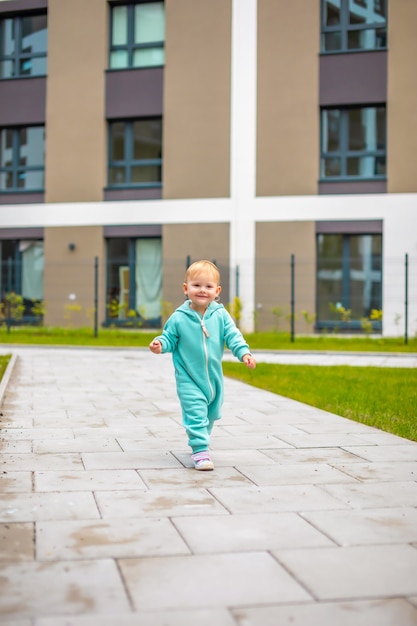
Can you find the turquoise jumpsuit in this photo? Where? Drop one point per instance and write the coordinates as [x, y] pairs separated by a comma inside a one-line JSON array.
[[197, 345]]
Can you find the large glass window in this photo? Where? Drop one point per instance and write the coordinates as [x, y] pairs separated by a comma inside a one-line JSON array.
[[349, 25], [23, 46], [22, 158], [137, 35], [134, 281], [135, 149], [353, 143], [349, 279], [21, 279]]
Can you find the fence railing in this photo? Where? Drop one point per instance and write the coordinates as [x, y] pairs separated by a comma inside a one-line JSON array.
[[291, 295]]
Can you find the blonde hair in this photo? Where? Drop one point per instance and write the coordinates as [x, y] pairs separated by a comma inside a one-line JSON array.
[[199, 267]]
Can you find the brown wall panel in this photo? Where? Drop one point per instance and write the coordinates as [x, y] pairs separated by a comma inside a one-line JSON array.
[[22, 101], [199, 241], [402, 97], [275, 243], [352, 186], [134, 93], [356, 78], [15, 6], [197, 99], [72, 272], [288, 119], [76, 137]]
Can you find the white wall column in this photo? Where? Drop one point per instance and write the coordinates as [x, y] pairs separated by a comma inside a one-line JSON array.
[[243, 155]]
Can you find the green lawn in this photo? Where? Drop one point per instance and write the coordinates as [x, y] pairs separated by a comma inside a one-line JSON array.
[[383, 397], [257, 341], [3, 364]]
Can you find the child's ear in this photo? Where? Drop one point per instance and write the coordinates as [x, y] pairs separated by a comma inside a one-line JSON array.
[[185, 290]]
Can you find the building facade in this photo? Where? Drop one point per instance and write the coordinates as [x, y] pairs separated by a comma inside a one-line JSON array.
[[276, 138]]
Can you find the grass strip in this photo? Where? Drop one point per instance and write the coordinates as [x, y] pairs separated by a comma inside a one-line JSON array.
[[119, 337], [4, 360], [383, 397]]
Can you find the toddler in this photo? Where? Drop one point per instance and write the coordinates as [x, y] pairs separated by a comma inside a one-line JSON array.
[[196, 334]]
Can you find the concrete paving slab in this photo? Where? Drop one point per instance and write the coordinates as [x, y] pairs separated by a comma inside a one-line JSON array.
[[63, 588], [98, 444], [325, 440], [38, 462], [17, 542], [32, 434], [240, 429], [340, 426], [366, 613], [204, 617], [156, 503], [380, 472], [297, 474], [32, 507], [374, 495], [199, 581], [88, 480], [312, 455], [277, 499], [15, 482], [16, 421], [249, 442], [248, 533], [367, 527], [110, 538], [15, 446], [395, 452], [360, 572], [127, 460], [183, 478], [149, 443]]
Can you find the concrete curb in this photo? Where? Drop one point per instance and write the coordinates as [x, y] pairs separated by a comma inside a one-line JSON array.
[[6, 377]]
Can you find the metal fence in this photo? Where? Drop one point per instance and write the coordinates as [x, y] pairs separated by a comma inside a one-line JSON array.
[[290, 294]]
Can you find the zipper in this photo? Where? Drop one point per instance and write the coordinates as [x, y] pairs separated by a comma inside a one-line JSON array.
[[206, 334]]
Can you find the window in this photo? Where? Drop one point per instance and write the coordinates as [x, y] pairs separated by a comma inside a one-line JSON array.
[[23, 46], [353, 144], [135, 149], [137, 35], [134, 281], [349, 276], [22, 265], [349, 25], [22, 158]]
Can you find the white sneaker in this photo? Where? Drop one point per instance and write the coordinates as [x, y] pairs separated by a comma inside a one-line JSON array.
[[202, 461]]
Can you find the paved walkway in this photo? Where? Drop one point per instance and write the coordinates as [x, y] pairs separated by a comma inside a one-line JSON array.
[[308, 519]]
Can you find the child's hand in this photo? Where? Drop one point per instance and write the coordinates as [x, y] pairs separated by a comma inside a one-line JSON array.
[[249, 361], [155, 346]]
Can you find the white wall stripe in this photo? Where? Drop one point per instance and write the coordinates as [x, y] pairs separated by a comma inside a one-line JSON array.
[[243, 154]]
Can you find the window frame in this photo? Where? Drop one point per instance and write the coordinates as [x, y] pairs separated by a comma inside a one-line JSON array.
[[345, 28], [130, 47], [117, 314], [128, 162], [19, 55], [354, 324], [11, 281], [15, 168], [344, 153]]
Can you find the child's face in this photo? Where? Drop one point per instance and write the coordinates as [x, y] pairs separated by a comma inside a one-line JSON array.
[[201, 289]]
